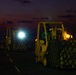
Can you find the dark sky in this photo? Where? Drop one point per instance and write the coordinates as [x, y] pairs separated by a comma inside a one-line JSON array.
[[28, 9], [15, 12]]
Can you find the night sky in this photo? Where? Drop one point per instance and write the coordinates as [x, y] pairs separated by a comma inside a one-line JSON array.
[[25, 12]]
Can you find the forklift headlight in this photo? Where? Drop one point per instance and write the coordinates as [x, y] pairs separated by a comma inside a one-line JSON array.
[[21, 35]]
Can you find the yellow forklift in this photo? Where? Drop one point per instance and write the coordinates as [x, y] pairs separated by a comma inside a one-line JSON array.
[[54, 46], [15, 38]]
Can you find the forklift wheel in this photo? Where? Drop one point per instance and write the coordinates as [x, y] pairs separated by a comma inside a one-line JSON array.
[[45, 61], [36, 59]]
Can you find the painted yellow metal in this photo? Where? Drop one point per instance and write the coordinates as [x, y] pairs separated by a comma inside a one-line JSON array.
[[9, 35], [41, 48], [60, 50]]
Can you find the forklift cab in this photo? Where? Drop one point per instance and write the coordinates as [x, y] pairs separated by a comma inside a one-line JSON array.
[[45, 33]]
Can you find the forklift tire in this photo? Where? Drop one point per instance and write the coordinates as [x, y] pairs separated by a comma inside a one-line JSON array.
[[36, 59], [44, 61]]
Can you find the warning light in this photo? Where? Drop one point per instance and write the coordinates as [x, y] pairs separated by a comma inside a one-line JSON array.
[[67, 36]]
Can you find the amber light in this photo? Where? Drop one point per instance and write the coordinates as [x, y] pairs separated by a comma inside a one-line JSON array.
[[67, 36]]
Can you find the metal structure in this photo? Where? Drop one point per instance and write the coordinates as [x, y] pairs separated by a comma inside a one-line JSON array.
[[12, 41], [53, 47]]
